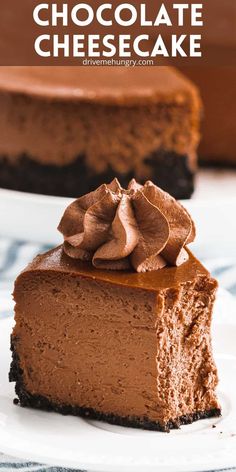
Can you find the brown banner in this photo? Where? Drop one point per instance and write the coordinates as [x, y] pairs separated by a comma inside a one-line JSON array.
[[132, 33]]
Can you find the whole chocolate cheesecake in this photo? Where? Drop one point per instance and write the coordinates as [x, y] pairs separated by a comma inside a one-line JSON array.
[[66, 130], [115, 323]]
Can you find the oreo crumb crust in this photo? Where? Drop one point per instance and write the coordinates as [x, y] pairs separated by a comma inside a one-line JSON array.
[[168, 170], [26, 399]]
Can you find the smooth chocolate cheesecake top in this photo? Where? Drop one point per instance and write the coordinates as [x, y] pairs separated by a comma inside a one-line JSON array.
[[111, 85], [57, 261]]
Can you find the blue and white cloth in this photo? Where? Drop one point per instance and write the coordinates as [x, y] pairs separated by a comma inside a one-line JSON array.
[[14, 256]]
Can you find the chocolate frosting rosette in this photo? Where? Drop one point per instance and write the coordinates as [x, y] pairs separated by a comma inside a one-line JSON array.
[[141, 228]]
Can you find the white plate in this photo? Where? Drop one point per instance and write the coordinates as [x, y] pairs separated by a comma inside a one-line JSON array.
[[35, 217], [73, 442]]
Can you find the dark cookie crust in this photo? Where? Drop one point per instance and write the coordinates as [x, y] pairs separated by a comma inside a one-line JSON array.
[[26, 399], [169, 170]]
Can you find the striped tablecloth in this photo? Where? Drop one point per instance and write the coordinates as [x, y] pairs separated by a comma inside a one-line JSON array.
[[14, 255]]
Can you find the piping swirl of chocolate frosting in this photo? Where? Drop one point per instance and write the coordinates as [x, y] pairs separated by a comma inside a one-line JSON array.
[[143, 228]]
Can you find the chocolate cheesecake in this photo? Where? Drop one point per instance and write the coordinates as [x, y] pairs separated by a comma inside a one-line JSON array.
[[66, 130], [218, 146], [115, 324]]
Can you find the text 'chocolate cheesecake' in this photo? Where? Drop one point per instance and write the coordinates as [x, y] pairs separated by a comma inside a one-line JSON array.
[[66, 130], [115, 323]]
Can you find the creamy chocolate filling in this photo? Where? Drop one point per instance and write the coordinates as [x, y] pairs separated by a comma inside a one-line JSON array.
[[131, 345]]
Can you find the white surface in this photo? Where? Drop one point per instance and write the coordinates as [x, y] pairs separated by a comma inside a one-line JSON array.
[[214, 184], [25, 216], [74, 442], [213, 208]]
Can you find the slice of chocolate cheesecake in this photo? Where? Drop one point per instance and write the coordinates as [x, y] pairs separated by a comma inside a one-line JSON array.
[[115, 325], [64, 131]]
